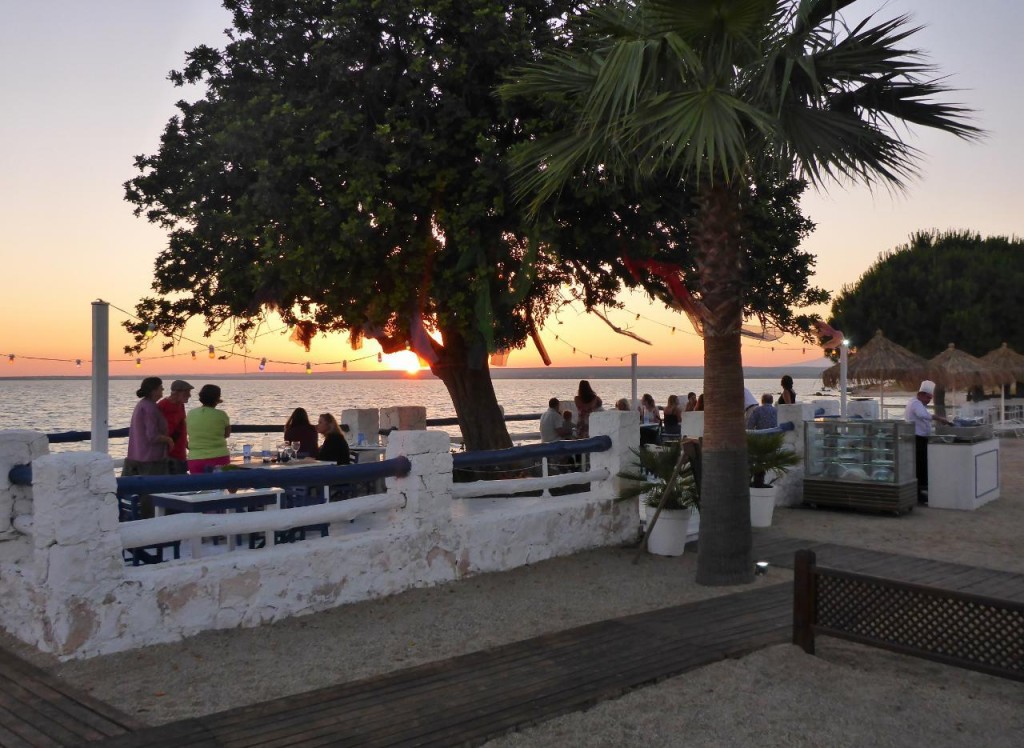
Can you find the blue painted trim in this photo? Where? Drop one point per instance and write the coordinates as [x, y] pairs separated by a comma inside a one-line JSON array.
[[515, 454]]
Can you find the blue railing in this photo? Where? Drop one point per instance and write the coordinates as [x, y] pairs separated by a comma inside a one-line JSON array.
[[516, 454], [21, 475]]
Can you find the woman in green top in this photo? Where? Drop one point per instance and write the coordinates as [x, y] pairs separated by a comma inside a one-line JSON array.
[[208, 432]]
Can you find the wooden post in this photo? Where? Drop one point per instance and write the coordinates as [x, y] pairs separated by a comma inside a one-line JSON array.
[[804, 600]]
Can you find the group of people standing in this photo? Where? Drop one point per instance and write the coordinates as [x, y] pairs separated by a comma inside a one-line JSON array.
[[165, 440]]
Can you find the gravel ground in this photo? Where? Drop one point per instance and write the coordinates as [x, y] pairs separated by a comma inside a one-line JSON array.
[[847, 695]]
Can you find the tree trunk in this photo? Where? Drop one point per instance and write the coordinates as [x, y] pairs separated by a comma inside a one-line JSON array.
[[472, 393], [724, 554]]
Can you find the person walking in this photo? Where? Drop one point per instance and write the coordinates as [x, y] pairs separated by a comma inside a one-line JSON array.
[[917, 413], [173, 408], [208, 432]]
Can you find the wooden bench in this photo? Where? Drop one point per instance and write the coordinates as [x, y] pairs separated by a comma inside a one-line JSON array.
[[953, 627]]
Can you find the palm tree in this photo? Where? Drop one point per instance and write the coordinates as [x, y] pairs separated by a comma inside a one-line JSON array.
[[714, 93]]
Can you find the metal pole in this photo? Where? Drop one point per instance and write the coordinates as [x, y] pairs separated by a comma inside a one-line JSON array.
[[844, 350], [632, 375], [100, 375]]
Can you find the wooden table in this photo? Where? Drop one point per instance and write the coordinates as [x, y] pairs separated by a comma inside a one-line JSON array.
[[244, 499]]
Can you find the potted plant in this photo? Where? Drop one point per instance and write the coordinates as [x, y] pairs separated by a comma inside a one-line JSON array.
[[651, 473], [768, 458]]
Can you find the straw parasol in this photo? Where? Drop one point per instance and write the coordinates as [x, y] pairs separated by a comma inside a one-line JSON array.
[[880, 360], [955, 369], [1006, 360]]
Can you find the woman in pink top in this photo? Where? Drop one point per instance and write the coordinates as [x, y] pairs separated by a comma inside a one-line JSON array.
[[587, 402], [148, 441]]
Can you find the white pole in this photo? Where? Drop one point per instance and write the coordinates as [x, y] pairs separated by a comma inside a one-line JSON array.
[[844, 350], [100, 375], [632, 376]]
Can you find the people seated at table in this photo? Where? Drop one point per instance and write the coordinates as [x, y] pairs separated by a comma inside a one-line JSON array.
[[622, 404], [649, 415], [691, 402], [552, 423], [208, 431], [700, 403], [763, 416], [672, 416], [299, 429], [335, 446]]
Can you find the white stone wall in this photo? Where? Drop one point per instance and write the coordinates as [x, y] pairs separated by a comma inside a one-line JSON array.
[[365, 421], [70, 593], [17, 448]]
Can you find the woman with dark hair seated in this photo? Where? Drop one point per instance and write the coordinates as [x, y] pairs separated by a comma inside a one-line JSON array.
[[299, 429]]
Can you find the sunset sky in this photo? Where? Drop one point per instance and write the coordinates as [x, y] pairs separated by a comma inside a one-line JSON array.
[[85, 89]]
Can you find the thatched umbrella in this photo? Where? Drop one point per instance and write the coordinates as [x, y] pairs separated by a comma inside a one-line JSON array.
[[880, 360], [1007, 360], [956, 370]]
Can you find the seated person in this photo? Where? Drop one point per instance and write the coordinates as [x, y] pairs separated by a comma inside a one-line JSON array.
[[691, 401], [299, 429], [622, 404], [335, 447], [764, 416], [649, 415], [673, 415]]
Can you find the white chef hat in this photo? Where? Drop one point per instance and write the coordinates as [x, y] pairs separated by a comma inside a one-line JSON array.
[[927, 387]]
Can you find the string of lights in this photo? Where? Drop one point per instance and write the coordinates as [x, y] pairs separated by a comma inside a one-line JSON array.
[[224, 353]]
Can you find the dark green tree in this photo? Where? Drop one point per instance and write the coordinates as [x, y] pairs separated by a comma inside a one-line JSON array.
[[715, 94], [346, 167], [940, 288]]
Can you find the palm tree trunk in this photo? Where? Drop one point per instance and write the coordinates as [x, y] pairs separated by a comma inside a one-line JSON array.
[[724, 554]]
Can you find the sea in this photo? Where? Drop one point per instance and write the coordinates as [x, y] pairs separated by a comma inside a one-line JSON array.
[[56, 405]]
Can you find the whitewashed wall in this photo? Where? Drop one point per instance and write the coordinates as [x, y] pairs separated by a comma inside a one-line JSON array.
[[67, 591], [790, 487]]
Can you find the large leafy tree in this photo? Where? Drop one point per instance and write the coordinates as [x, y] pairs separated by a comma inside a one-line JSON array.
[[345, 168], [940, 288], [714, 93]]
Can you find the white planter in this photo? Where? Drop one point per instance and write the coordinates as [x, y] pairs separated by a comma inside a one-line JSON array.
[[668, 537], [762, 504]]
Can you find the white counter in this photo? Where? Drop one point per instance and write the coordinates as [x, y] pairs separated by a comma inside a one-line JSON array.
[[963, 476]]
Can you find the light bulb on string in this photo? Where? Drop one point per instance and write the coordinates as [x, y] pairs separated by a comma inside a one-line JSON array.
[[263, 363], [150, 331], [380, 358], [78, 363], [138, 363], [212, 353], [193, 355], [673, 331], [309, 368], [638, 316], [10, 359], [344, 365]]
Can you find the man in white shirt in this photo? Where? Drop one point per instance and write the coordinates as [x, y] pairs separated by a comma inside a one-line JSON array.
[[552, 424], [918, 414]]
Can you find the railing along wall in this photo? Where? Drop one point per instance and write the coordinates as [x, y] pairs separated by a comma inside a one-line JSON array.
[[67, 589], [948, 626]]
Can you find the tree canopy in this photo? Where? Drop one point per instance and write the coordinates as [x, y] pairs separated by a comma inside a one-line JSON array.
[[347, 168], [940, 288]]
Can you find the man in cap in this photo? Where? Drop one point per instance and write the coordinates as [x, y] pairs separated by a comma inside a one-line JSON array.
[[917, 413], [173, 408]]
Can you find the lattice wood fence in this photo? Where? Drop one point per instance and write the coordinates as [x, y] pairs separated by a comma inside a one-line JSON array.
[[957, 628]]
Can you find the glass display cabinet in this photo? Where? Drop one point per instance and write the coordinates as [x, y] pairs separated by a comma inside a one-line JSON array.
[[867, 465]]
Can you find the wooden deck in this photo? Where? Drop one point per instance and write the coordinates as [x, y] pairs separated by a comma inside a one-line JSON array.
[[470, 699], [37, 710]]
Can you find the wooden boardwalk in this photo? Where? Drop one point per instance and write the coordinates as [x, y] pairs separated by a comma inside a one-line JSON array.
[[37, 710], [470, 699]]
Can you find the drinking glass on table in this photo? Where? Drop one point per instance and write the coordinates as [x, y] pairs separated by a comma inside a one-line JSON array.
[[296, 448]]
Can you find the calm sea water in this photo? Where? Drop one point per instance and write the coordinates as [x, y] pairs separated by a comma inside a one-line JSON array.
[[64, 405]]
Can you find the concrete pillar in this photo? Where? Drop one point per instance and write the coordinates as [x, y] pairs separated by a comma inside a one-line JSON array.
[[789, 489], [404, 418], [77, 547], [427, 489], [19, 447], [624, 431], [364, 421]]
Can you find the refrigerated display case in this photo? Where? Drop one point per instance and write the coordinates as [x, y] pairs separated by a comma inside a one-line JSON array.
[[860, 464]]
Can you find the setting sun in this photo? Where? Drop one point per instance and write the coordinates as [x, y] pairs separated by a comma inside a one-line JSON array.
[[406, 361]]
